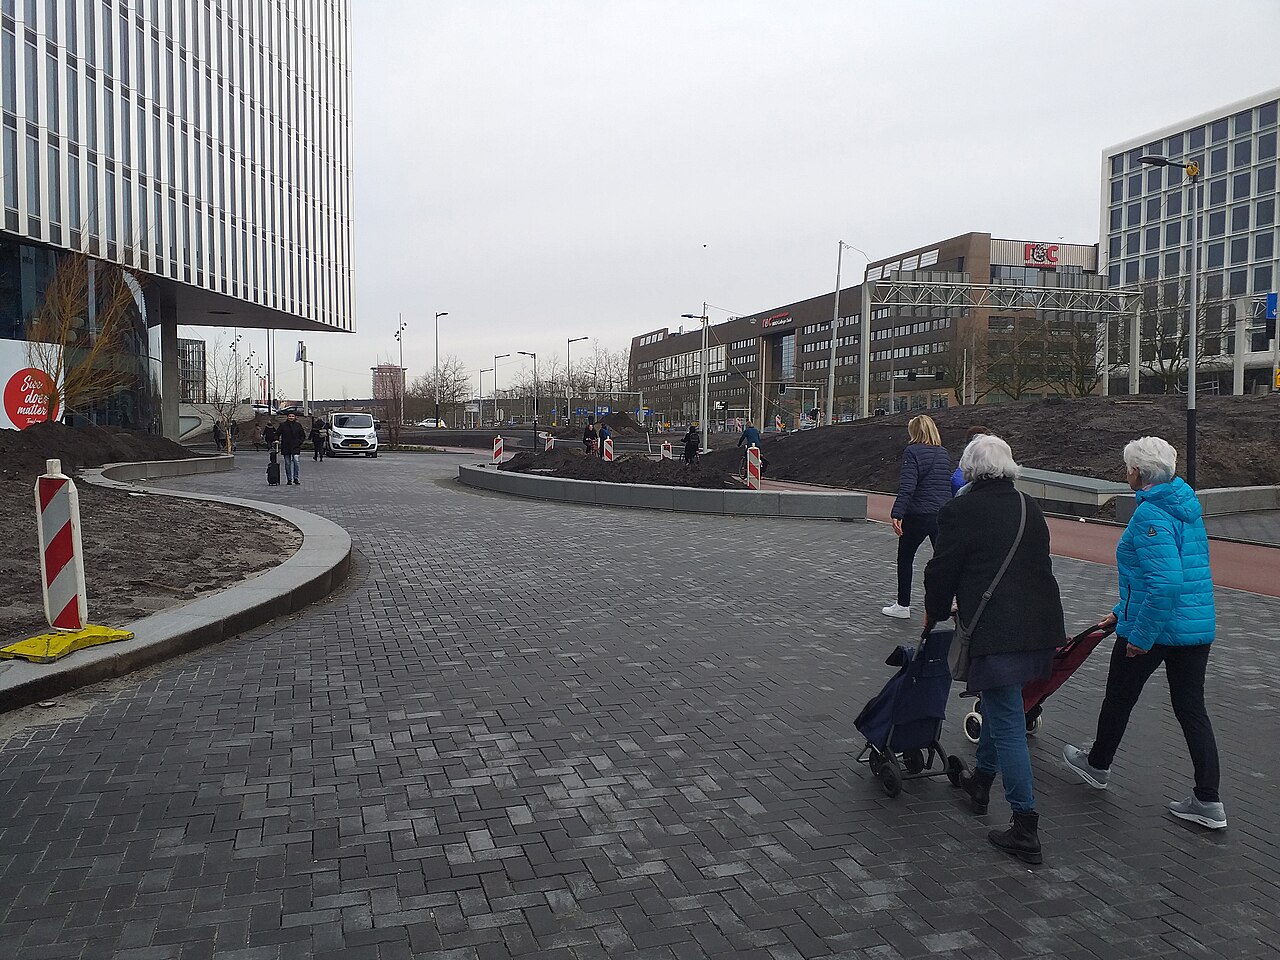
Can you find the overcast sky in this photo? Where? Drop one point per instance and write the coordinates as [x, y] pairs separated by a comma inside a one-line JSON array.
[[543, 170]]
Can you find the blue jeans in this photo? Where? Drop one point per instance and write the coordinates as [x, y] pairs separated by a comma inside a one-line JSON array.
[[1002, 746], [290, 467]]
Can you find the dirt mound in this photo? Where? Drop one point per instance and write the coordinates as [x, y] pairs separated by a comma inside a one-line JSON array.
[[572, 465], [23, 452], [622, 425], [1238, 441]]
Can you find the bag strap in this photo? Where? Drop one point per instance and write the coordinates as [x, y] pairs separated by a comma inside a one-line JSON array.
[[1017, 541]]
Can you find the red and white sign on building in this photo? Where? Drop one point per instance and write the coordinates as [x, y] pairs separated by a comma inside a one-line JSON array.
[[24, 390], [61, 556], [1040, 255]]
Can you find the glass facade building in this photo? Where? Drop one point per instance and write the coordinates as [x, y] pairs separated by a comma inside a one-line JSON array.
[[204, 145], [1146, 213]]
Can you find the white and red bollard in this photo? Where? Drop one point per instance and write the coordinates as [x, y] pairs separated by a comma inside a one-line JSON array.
[[666, 450], [551, 443], [497, 449], [61, 556], [608, 448], [753, 467]]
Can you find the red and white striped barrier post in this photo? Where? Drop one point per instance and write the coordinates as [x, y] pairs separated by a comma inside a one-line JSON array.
[[753, 467], [666, 449], [551, 443], [497, 449], [61, 557], [608, 448]]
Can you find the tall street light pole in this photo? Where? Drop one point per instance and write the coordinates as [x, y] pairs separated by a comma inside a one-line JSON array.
[[496, 358], [444, 313], [526, 353], [480, 399], [702, 392], [400, 388], [568, 380], [835, 327], [1193, 346]]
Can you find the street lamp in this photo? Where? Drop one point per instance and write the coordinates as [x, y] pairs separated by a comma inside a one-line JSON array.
[[1193, 347], [438, 316], [835, 326], [568, 380], [495, 385], [480, 399], [400, 340], [702, 392], [526, 353]]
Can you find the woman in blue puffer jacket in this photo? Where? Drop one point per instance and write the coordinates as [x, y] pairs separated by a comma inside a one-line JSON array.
[[1165, 615], [924, 486]]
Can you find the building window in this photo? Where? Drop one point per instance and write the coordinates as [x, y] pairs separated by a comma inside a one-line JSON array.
[[1216, 254], [1264, 214], [1240, 184], [1173, 233], [1117, 186], [1243, 122], [1135, 186], [1218, 131], [1218, 192], [10, 168], [1263, 246], [1266, 180], [1218, 161], [1174, 149], [1267, 146], [1134, 215], [1267, 114]]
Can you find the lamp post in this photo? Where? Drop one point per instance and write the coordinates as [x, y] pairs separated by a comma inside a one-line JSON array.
[[526, 353], [568, 380], [495, 385], [480, 399], [400, 388], [444, 313], [835, 326], [1193, 347], [702, 391]]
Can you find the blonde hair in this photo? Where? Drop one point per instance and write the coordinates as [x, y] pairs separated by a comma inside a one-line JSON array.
[[922, 429]]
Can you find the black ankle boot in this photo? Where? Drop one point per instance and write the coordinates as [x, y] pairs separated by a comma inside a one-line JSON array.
[[1021, 839], [978, 786]]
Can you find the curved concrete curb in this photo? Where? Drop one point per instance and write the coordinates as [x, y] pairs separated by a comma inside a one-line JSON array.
[[315, 570], [749, 503]]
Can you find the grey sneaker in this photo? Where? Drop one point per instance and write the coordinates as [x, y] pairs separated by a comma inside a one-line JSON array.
[[1078, 760], [1211, 815]]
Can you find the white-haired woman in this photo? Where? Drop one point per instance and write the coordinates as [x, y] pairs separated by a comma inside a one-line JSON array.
[[1165, 615], [1020, 626]]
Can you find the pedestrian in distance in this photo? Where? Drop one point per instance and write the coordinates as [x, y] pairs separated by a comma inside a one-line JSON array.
[[219, 436], [590, 437], [750, 438], [292, 437], [957, 477], [606, 432], [1012, 636], [1165, 615], [923, 488], [270, 434], [692, 442], [319, 439]]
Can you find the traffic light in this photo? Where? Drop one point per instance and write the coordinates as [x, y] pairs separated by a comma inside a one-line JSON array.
[[782, 388]]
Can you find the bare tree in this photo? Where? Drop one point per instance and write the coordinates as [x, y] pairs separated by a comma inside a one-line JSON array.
[[1015, 358], [1164, 348], [84, 348], [226, 377], [1074, 360], [963, 359], [455, 386]]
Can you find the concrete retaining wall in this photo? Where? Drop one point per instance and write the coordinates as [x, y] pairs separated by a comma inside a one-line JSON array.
[[753, 503], [1217, 502], [154, 469]]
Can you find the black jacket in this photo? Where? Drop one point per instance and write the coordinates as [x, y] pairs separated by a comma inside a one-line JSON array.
[[925, 484], [975, 532], [292, 437]]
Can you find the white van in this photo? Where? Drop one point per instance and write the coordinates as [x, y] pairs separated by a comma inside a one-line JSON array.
[[353, 433]]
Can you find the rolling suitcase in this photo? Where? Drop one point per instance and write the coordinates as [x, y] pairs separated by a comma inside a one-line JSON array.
[[273, 468]]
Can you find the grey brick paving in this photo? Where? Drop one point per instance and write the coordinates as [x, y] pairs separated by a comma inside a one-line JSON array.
[[529, 729]]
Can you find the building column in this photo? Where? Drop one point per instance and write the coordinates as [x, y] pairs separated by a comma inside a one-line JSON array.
[[1135, 347], [1242, 310], [170, 425]]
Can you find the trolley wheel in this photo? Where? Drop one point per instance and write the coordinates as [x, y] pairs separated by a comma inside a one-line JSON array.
[[875, 761], [913, 761], [973, 726], [890, 780], [1034, 724], [955, 770]]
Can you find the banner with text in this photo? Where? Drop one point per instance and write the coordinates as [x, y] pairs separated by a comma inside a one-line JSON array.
[[24, 390]]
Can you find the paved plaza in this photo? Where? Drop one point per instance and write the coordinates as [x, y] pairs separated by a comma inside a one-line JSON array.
[[526, 729]]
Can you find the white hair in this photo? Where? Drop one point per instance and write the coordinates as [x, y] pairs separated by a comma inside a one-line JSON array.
[[1155, 460], [987, 457]]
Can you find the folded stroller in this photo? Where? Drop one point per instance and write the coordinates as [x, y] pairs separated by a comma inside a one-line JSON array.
[[903, 722], [1066, 660]]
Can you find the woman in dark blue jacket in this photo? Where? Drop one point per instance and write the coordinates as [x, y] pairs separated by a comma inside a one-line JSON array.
[[1165, 615], [925, 485]]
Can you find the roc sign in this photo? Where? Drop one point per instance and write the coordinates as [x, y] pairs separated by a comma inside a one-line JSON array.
[[1040, 255]]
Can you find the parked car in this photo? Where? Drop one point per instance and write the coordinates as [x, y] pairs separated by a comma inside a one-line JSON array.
[[433, 424], [352, 433]]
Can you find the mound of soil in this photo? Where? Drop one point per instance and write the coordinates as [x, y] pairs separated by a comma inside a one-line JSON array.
[[572, 465], [1238, 440], [142, 553], [622, 425]]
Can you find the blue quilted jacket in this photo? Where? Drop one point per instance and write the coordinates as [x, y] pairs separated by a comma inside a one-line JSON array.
[[925, 483], [1166, 593]]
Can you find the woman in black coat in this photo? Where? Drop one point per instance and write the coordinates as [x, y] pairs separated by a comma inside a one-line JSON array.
[[924, 486], [1014, 639]]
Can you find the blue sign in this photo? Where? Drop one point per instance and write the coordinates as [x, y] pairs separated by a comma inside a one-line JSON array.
[[1271, 306], [604, 410]]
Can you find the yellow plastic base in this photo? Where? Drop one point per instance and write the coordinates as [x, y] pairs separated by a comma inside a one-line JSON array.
[[49, 647]]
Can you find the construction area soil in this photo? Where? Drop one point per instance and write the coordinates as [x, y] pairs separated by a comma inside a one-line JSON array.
[[575, 465], [143, 553], [1238, 440]]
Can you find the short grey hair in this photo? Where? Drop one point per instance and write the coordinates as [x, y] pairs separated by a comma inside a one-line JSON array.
[[1155, 459], [987, 457]]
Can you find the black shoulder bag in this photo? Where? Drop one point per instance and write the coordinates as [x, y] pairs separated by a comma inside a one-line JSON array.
[[958, 655]]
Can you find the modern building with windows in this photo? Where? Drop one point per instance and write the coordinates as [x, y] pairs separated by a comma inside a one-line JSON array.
[[775, 364], [1146, 213], [204, 146]]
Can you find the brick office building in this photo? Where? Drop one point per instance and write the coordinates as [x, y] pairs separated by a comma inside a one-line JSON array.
[[775, 363]]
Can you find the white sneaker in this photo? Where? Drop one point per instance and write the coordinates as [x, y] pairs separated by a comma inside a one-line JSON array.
[[1211, 815], [897, 611]]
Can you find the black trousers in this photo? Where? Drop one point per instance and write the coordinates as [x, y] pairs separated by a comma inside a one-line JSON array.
[[1184, 667], [916, 527]]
